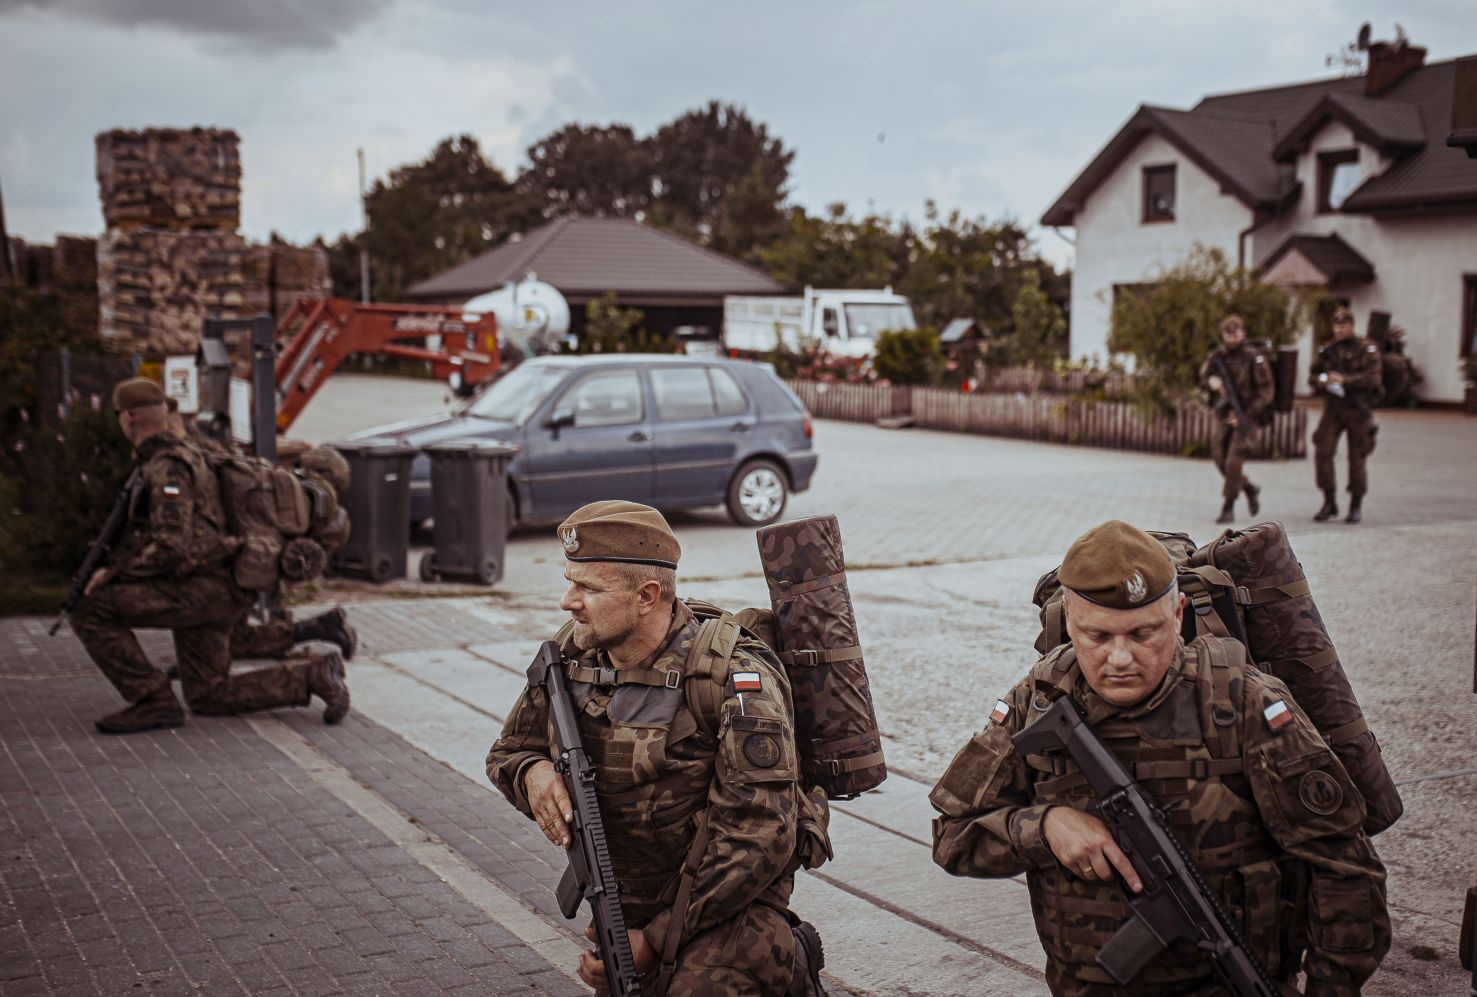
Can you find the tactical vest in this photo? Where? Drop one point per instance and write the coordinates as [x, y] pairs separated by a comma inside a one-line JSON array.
[[1185, 751], [208, 543]]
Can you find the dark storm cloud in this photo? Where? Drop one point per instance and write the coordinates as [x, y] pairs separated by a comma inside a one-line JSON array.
[[266, 23]]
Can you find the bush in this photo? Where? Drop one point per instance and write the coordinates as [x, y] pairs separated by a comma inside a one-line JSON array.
[[909, 356], [609, 328]]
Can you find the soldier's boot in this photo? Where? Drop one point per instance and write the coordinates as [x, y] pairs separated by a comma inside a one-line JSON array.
[[1228, 512], [810, 958], [1330, 507], [333, 627], [326, 681], [1253, 498], [1354, 502], [154, 711]]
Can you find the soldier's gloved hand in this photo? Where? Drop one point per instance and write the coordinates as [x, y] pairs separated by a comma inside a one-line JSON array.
[[1214, 383], [550, 804], [592, 968], [1082, 844]]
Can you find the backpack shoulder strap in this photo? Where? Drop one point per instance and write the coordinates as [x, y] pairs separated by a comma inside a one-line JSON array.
[[706, 676], [1218, 665]]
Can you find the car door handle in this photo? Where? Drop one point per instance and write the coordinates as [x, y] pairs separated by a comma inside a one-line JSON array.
[[740, 427], [640, 436]]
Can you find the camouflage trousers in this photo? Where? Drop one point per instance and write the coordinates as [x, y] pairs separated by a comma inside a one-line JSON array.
[[1338, 419], [1229, 450], [271, 639], [199, 611], [753, 953]]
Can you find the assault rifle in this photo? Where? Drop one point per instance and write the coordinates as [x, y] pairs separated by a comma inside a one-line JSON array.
[[1332, 359], [101, 549], [1228, 395], [590, 875], [1175, 904]]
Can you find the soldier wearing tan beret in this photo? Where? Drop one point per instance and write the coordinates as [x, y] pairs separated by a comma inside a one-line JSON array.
[[170, 570], [717, 795], [1255, 796]]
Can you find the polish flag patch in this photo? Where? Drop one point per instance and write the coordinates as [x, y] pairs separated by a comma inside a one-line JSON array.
[[1000, 712], [747, 682], [1277, 716], [171, 490]]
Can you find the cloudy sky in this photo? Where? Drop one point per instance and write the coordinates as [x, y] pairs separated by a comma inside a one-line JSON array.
[[988, 108]]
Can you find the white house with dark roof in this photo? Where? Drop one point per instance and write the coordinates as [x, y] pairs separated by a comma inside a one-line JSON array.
[[1346, 184]]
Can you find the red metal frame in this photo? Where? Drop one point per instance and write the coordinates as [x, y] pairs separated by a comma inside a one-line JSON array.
[[319, 334]]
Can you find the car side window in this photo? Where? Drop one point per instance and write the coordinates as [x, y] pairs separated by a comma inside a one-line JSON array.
[[609, 398], [726, 393], [681, 393]]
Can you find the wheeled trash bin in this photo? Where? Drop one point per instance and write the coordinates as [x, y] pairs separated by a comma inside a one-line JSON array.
[[379, 509], [469, 508]]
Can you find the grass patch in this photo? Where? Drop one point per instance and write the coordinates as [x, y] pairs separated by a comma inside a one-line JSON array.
[[31, 596]]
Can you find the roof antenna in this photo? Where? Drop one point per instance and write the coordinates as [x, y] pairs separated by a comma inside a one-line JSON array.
[[1362, 43]]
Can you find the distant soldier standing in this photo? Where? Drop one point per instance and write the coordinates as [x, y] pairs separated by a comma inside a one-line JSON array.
[[1348, 373], [1251, 384], [1249, 788], [171, 571]]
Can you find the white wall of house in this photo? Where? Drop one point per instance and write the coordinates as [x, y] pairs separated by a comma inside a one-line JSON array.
[[1115, 245], [1419, 262]]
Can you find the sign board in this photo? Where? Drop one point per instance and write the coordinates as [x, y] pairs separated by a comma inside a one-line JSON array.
[[182, 384], [240, 410]]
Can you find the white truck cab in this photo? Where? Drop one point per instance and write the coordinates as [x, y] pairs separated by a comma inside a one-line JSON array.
[[840, 322]]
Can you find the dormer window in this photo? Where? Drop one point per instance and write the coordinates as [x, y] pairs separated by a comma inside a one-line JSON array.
[[1159, 193], [1338, 175]]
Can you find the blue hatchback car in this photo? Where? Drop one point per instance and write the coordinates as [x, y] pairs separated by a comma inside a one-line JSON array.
[[669, 431]]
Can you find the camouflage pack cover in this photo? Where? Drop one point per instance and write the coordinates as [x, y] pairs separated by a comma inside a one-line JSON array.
[[1248, 585], [815, 636]]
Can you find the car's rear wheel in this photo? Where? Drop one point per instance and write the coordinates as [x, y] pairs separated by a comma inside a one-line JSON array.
[[758, 493]]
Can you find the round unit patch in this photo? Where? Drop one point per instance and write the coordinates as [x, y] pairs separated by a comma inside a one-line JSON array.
[[1321, 793], [762, 750]]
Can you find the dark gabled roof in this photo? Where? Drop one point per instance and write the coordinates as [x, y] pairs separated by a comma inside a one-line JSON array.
[[1339, 262], [1238, 137], [585, 257], [1387, 125], [958, 328], [1231, 148]]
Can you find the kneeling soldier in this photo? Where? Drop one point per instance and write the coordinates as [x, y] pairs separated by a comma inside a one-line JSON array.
[[1256, 798]]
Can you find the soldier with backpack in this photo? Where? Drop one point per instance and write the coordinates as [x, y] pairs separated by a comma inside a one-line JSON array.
[[703, 808], [172, 569], [1237, 380], [1253, 794]]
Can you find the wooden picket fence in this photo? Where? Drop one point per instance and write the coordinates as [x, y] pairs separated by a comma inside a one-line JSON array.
[[1050, 418]]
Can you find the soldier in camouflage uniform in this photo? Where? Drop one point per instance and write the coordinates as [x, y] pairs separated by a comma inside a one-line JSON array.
[[1251, 381], [666, 778], [1348, 373], [170, 570], [1251, 790]]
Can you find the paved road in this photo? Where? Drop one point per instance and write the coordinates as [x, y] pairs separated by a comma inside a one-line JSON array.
[[945, 536]]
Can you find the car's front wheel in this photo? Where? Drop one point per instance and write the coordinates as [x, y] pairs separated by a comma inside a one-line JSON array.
[[758, 493]]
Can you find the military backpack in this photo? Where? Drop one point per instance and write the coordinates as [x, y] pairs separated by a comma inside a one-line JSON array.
[[1248, 585], [285, 521]]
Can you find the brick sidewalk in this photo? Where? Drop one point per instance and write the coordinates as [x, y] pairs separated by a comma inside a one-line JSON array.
[[205, 859]]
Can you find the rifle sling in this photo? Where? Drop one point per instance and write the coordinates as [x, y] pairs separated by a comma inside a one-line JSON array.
[[673, 939]]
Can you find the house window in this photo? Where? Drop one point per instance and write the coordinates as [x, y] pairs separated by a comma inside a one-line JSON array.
[[1469, 314], [1159, 193], [1338, 175]]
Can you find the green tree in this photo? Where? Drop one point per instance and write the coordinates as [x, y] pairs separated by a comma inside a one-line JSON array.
[[701, 158], [909, 356], [1040, 329], [588, 170], [609, 328], [832, 251], [433, 214], [1170, 324]]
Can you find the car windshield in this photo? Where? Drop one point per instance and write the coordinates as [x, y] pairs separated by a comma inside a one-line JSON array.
[[514, 396], [867, 321]]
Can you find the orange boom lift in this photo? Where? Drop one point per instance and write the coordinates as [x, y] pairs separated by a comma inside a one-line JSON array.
[[318, 334]]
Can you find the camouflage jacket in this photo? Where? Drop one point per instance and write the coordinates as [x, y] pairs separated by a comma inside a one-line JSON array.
[[176, 523], [1271, 818], [658, 771], [1251, 378], [1362, 367]]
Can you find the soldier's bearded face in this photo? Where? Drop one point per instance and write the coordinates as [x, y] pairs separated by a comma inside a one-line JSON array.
[[1124, 653], [1233, 336], [604, 606]]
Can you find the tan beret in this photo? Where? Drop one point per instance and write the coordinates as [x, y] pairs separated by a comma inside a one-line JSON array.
[[619, 531], [1118, 566], [137, 392]]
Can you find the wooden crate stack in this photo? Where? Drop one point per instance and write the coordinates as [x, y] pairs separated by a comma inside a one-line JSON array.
[[170, 178]]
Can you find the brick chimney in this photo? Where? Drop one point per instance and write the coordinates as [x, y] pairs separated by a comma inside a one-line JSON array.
[[1389, 63]]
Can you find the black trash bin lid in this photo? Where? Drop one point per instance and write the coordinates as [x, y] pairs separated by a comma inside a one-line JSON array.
[[374, 447], [471, 449]]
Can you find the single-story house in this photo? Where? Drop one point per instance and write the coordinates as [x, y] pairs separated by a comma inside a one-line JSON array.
[[674, 281], [1347, 184]]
